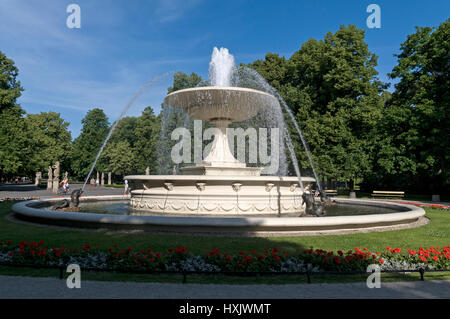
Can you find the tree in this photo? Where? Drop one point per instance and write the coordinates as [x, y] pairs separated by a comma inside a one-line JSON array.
[[183, 81], [13, 142], [147, 133], [10, 89], [13, 146], [88, 143], [332, 88], [49, 141], [125, 130], [416, 148], [120, 157], [172, 118]]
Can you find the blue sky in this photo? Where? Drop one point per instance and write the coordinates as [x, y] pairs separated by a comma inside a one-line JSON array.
[[123, 44]]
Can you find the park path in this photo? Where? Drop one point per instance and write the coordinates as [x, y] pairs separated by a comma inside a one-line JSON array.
[[30, 191], [50, 288]]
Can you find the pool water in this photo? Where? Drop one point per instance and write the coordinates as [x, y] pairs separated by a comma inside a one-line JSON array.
[[123, 208]]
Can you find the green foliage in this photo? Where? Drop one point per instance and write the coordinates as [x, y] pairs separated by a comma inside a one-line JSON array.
[[184, 81], [13, 141], [172, 118], [86, 146], [13, 148], [332, 88], [132, 147], [10, 89], [48, 141], [147, 134], [120, 157], [416, 135]]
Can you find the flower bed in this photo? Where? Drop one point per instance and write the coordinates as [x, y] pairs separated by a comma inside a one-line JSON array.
[[420, 204], [180, 259]]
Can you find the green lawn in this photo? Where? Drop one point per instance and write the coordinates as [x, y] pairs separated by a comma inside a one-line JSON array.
[[436, 233]]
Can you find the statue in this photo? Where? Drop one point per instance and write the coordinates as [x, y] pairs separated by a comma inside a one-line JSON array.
[[147, 171], [109, 178], [56, 171], [103, 179], [38, 179], [326, 201], [56, 178], [61, 205], [50, 178], [312, 206], [75, 197]]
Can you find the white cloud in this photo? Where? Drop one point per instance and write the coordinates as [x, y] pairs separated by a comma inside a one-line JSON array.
[[171, 10]]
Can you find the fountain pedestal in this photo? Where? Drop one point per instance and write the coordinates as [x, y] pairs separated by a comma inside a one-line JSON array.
[[220, 184], [220, 161]]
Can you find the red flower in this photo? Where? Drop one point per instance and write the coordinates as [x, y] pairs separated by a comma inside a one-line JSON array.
[[340, 253], [381, 261], [337, 260], [435, 257]]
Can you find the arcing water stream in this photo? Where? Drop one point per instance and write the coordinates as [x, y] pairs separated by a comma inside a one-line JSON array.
[[130, 103]]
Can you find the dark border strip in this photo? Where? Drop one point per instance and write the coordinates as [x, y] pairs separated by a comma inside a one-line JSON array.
[[308, 274]]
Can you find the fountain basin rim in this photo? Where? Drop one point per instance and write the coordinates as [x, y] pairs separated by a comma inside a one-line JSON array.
[[245, 178], [220, 88], [212, 224]]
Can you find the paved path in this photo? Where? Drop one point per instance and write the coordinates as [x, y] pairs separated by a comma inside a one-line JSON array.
[[28, 190], [43, 288]]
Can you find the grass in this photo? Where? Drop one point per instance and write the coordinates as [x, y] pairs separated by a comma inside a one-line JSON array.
[[115, 185], [436, 233]]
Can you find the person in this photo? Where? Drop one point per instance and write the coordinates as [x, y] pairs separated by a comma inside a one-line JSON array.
[[65, 185], [125, 191]]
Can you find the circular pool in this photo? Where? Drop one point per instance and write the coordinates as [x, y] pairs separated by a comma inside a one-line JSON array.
[[114, 213]]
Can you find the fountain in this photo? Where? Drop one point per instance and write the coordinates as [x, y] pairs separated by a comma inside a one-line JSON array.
[[220, 184], [221, 195]]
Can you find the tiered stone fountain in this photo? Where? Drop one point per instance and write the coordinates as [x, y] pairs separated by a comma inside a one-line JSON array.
[[220, 195], [220, 184]]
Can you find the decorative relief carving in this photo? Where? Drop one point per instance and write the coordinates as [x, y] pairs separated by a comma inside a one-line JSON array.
[[200, 186], [269, 186], [236, 187], [168, 186], [182, 206]]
